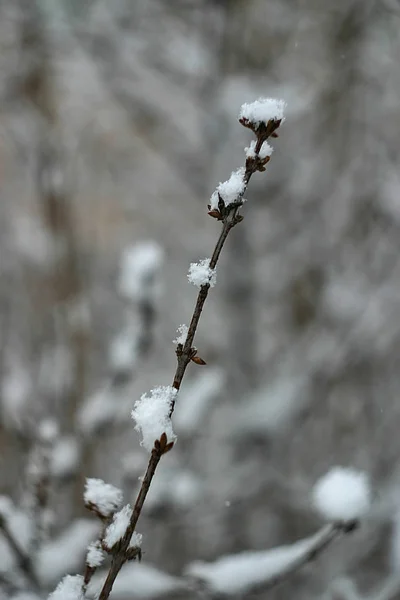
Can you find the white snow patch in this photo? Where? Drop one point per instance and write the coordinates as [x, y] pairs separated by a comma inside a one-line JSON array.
[[262, 110], [342, 494], [116, 530], [200, 273], [231, 190], [151, 414], [182, 331], [265, 150], [69, 588], [238, 573], [95, 555], [104, 496]]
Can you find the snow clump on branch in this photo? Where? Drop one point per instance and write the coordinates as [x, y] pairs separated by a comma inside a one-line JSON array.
[[265, 150], [102, 497], [69, 588], [342, 494], [230, 191], [201, 274], [182, 331], [151, 414], [117, 529]]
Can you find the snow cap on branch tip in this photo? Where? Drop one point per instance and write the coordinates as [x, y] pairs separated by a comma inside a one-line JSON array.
[[69, 588], [183, 331], [200, 273], [342, 494], [231, 190], [102, 497], [151, 414], [262, 111]]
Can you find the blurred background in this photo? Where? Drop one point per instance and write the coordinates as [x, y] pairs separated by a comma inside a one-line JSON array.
[[117, 121]]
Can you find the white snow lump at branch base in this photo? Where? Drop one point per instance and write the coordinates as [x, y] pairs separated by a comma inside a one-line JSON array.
[[103, 496], [342, 494], [151, 414]]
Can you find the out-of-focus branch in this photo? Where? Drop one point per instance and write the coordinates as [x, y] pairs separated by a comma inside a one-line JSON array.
[[24, 560]]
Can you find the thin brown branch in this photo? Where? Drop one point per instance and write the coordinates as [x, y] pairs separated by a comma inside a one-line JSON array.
[[229, 218]]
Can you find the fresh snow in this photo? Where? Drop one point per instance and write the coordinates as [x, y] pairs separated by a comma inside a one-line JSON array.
[[182, 331], [200, 273], [231, 190], [238, 573], [262, 110], [69, 588], [116, 530], [104, 496], [265, 150], [342, 494], [151, 414], [95, 555]]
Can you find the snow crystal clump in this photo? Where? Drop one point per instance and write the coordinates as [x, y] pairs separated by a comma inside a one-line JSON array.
[[116, 530], [69, 588], [342, 494], [151, 414], [95, 556], [103, 496], [181, 338], [262, 111], [200, 273], [230, 191], [265, 150]]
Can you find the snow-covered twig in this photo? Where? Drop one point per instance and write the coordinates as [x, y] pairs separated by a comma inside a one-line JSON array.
[[263, 117], [252, 572]]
